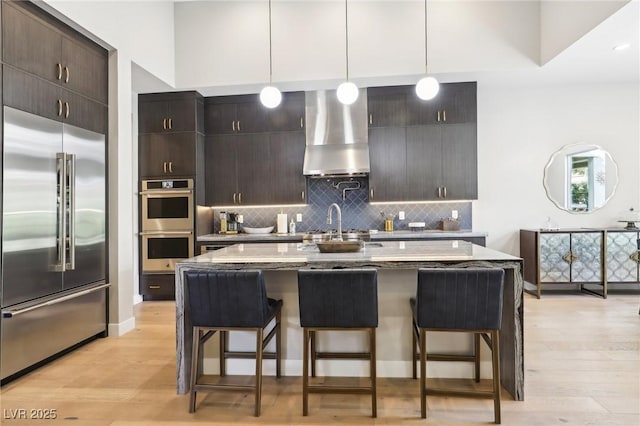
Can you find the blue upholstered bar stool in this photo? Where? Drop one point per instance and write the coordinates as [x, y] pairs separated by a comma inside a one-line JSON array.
[[458, 299], [338, 299], [225, 301]]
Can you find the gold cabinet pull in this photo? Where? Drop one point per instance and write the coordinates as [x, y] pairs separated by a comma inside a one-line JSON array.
[[371, 193], [370, 119], [444, 191], [234, 198], [164, 123], [171, 124], [302, 196], [444, 115], [67, 74], [59, 108], [164, 167], [59, 66], [154, 287], [66, 112], [439, 192], [301, 122], [239, 197], [438, 115], [233, 127], [238, 125], [170, 166]]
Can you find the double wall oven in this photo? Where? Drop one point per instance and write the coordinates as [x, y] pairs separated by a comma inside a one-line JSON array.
[[167, 223]]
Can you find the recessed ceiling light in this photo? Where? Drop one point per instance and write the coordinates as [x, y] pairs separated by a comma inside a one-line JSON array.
[[622, 46]]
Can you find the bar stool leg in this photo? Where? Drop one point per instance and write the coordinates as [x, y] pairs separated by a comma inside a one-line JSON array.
[[476, 354], [414, 348], [259, 343], [372, 367], [305, 373], [223, 350], [278, 345], [423, 373], [314, 353], [195, 349], [495, 357]]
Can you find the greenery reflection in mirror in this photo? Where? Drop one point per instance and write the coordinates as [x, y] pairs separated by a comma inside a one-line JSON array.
[[580, 178]]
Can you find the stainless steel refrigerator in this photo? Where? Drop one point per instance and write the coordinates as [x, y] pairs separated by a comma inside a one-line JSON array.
[[54, 290]]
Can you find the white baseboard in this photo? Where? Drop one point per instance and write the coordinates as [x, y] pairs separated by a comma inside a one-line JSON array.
[[118, 329]]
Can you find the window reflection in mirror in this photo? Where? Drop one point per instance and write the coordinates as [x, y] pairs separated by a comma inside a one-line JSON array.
[[580, 178]]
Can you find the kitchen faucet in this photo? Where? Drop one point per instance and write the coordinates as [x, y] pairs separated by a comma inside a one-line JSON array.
[[329, 219]]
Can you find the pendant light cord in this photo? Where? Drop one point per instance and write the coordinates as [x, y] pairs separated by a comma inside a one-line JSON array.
[[270, 54], [426, 68], [346, 36]]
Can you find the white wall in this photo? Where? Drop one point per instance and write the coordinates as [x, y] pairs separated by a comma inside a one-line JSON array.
[[520, 128], [229, 41]]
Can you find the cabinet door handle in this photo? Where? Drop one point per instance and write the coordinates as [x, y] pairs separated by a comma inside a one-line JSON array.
[[170, 166], [438, 115], [164, 123], [371, 193], [370, 119], [239, 197], [439, 192], [444, 191], [67, 74], [301, 123], [59, 66], [234, 198], [238, 125], [66, 113], [302, 196], [154, 287], [233, 125], [59, 108], [171, 124], [164, 167], [444, 118]]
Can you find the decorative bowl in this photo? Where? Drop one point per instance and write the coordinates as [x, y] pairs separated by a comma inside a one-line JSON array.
[[265, 230]]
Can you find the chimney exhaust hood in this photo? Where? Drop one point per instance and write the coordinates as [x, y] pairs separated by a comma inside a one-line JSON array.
[[337, 135]]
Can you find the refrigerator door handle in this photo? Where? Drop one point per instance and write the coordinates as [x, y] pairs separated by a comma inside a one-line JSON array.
[[71, 225], [14, 313], [61, 240]]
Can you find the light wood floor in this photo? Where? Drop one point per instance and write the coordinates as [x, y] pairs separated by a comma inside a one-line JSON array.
[[582, 367]]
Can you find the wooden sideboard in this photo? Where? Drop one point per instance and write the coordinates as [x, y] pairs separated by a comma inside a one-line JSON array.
[[585, 257]]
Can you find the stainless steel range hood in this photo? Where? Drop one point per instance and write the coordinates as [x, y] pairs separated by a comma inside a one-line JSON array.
[[337, 135]]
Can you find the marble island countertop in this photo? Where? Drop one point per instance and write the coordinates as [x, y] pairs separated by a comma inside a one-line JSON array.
[[382, 251], [375, 235]]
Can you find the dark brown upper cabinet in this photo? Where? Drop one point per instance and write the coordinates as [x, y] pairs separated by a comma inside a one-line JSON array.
[[33, 43], [245, 114], [387, 106], [171, 142], [168, 112], [455, 103]]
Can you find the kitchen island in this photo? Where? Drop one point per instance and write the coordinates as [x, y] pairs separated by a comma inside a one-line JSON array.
[[397, 263]]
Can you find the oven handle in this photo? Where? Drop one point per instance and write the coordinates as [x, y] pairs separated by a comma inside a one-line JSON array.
[[158, 233], [166, 191]]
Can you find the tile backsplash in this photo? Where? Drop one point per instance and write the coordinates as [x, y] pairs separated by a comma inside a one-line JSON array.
[[352, 195]]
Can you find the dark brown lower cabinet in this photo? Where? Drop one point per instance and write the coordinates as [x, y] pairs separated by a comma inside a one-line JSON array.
[[157, 286]]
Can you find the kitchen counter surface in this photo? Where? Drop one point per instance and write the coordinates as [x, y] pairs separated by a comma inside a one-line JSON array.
[[400, 252], [379, 235], [397, 263]]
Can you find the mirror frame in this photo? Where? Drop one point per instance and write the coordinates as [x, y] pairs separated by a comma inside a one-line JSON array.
[[561, 153]]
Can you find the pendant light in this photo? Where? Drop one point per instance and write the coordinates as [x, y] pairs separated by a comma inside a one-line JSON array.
[[347, 92], [427, 88], [270, 96]]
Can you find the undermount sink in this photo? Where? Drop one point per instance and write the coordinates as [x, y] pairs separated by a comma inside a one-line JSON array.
[[337, 246]]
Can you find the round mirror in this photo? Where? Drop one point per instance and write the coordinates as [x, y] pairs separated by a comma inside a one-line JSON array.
[[580, 178]]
